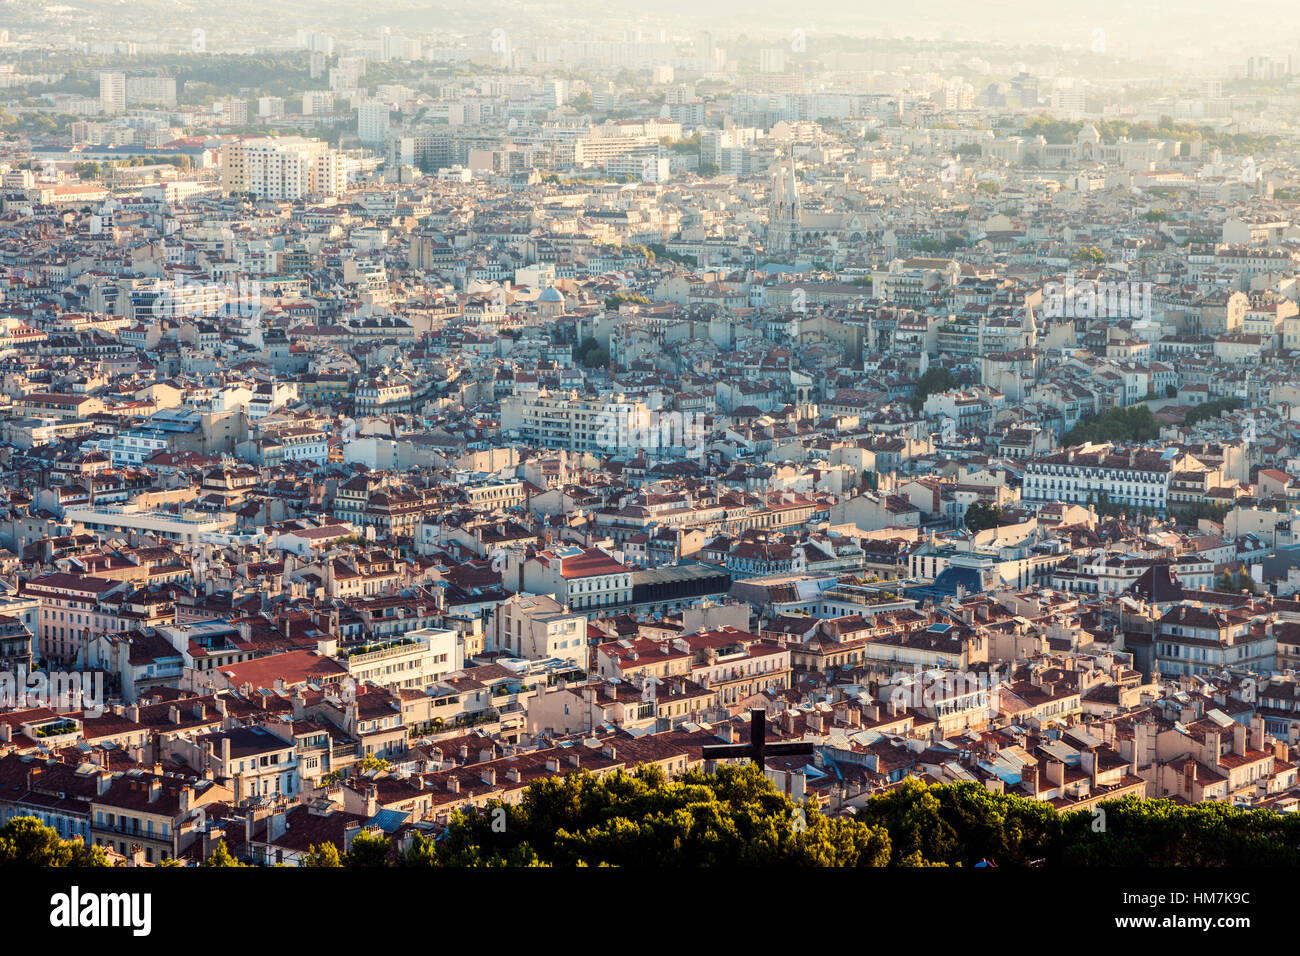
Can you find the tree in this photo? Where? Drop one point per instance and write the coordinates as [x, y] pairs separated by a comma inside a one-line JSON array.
[[322, 855], [1171, 391], [221, 857], [733, 817], [422, 852], [709, 170], [1213, 409], [612, 302], [368, 851], [27, 843], [981, 516], [1132, 424], [372, 762], [591, 354], [936, 379], [1089, 254]]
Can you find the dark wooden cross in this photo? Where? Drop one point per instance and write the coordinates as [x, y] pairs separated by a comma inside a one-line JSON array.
[[758, 749]]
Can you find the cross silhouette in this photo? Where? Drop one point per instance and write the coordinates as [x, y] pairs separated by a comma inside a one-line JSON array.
[[758, 749]]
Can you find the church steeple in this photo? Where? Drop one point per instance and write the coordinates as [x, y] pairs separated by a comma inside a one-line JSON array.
[[784, 209], [1029, 327]]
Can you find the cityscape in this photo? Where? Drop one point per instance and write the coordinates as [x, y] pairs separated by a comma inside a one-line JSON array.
[[563, 434]]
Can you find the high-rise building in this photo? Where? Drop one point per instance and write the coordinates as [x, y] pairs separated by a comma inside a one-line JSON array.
[[317, 101], [112, 93], [150, 91], [771, 61], [234, 112], [1025, 87], [288, 167], [373, 122]]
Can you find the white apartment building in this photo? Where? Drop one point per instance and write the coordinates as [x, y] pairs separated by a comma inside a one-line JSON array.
[[112, 93], [537, 627], [150, 91], [579, 577], [288, 167], [1100, 473], [567, 421], [184, 528], [131, 448], [373, 122], [412, 661], [317, 101]]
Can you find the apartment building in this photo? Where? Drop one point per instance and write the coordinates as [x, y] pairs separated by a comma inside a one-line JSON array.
[[72, 614], [288, 167], [566, 421], [1094, 473], [537, 627], [581, 578]]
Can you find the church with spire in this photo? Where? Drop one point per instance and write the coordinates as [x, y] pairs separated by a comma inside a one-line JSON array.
[[784, 209]]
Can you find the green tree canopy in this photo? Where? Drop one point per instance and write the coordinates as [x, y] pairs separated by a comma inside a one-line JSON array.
[[221, 857], [980, 516], [733, 817], [26, 842], [1134, 423], [936, 379], [368, 851], [322, 855]]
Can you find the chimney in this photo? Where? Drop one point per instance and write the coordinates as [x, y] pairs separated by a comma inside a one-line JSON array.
[[200, 711], [1257, 733], [798, 786], [575, 759], [1213, 748], [1189, 774], [173, 714], [186, 798], [155, 789], [1056, 772], [1029, 778], [553, 764], [489, 776], [453, 784], [512, 775], [1239, 732], [133, 713]]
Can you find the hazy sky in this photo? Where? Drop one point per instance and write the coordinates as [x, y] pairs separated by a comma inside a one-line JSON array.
[[1207, 35]]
